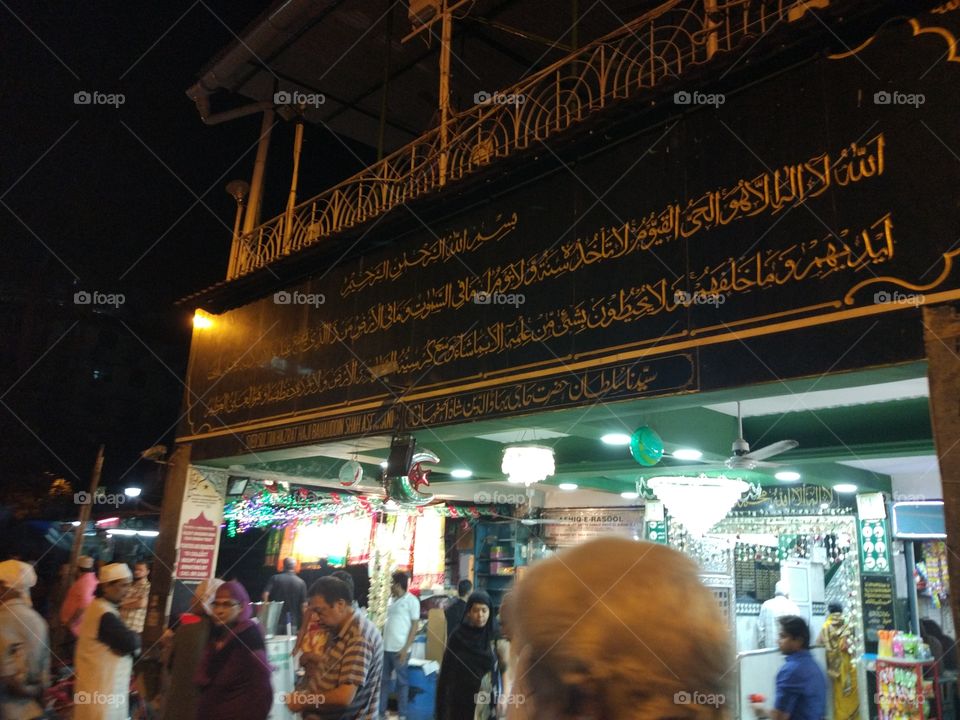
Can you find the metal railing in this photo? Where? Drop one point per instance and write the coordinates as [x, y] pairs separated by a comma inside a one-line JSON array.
[[656, 47]]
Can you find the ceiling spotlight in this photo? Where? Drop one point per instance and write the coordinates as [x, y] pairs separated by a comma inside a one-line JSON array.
[[383, 464], [787, 476], [630, 495], [615, 439], [845, 488], [567, 486], [132, 492], [461, 473], [687, 454]]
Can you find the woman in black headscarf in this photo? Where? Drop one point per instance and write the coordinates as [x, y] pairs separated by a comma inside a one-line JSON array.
[[468, 658]]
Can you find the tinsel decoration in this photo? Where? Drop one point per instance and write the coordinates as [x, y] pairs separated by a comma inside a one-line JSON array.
[[272, 509], [378, 598]]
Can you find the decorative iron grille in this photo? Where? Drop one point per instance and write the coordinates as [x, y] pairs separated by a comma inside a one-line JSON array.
[[642, 54]]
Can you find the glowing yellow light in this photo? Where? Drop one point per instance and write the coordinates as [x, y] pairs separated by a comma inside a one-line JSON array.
[[201, 320]]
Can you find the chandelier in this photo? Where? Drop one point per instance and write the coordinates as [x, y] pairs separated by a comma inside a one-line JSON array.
[[527, 464], [698, 503]]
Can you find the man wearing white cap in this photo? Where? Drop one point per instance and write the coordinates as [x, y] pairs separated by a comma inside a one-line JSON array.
[[24, 645], [105, 651], [80, 595]]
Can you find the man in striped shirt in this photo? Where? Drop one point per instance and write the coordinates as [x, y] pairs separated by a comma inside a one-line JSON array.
[[346, 685]]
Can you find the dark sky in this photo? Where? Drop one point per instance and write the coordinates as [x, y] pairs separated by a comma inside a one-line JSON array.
[[119, 200]]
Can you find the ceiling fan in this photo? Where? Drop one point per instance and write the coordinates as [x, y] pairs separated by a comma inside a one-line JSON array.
[[745, 459]]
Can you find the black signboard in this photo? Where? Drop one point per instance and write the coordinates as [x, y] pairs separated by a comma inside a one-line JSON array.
[[672, 261], [877, 605]]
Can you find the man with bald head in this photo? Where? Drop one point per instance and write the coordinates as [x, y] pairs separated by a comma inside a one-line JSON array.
[[24, 645]]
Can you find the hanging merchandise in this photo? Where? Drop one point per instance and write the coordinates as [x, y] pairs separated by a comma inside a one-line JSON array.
[[395, 536], [429, 561], [938, 580]]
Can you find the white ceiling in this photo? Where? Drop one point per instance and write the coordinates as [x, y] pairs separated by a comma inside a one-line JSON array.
[[915, 465], [820, 399], [530, 435]]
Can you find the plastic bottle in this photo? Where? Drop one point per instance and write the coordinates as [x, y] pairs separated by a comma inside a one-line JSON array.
[[896, 645]]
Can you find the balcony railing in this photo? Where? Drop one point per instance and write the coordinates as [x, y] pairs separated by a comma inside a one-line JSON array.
[[655, 48]]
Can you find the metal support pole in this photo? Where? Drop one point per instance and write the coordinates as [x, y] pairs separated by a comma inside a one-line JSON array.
[[575, 25], [292, 199], [252, 218], [911, 560], [387, 65], [445, 35], [235, 246]]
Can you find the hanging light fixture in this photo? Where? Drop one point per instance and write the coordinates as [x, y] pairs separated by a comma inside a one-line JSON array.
[[527, 464], [698, 503]]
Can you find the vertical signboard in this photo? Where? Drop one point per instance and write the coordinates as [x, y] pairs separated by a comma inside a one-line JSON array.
[[198, 537]]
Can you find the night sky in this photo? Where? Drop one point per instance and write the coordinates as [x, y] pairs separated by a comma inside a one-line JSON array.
[[125, 199]]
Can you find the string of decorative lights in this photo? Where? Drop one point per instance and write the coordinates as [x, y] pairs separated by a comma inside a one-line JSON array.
[[265, 509]]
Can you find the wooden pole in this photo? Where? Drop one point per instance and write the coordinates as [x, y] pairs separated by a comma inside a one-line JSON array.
[[941, 326], [85, 509], [165, 550]]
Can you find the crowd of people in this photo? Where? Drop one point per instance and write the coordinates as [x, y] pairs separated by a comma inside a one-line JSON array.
[[609, 629]]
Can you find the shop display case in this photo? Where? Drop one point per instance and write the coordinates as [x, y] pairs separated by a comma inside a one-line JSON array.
[[501, 552], [902, 691]]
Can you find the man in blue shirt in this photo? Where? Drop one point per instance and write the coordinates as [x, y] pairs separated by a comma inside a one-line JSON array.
[[801, 684]]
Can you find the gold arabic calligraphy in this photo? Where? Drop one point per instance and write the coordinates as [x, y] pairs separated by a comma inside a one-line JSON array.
[[768, 192], [815, 259], [442, 249]]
